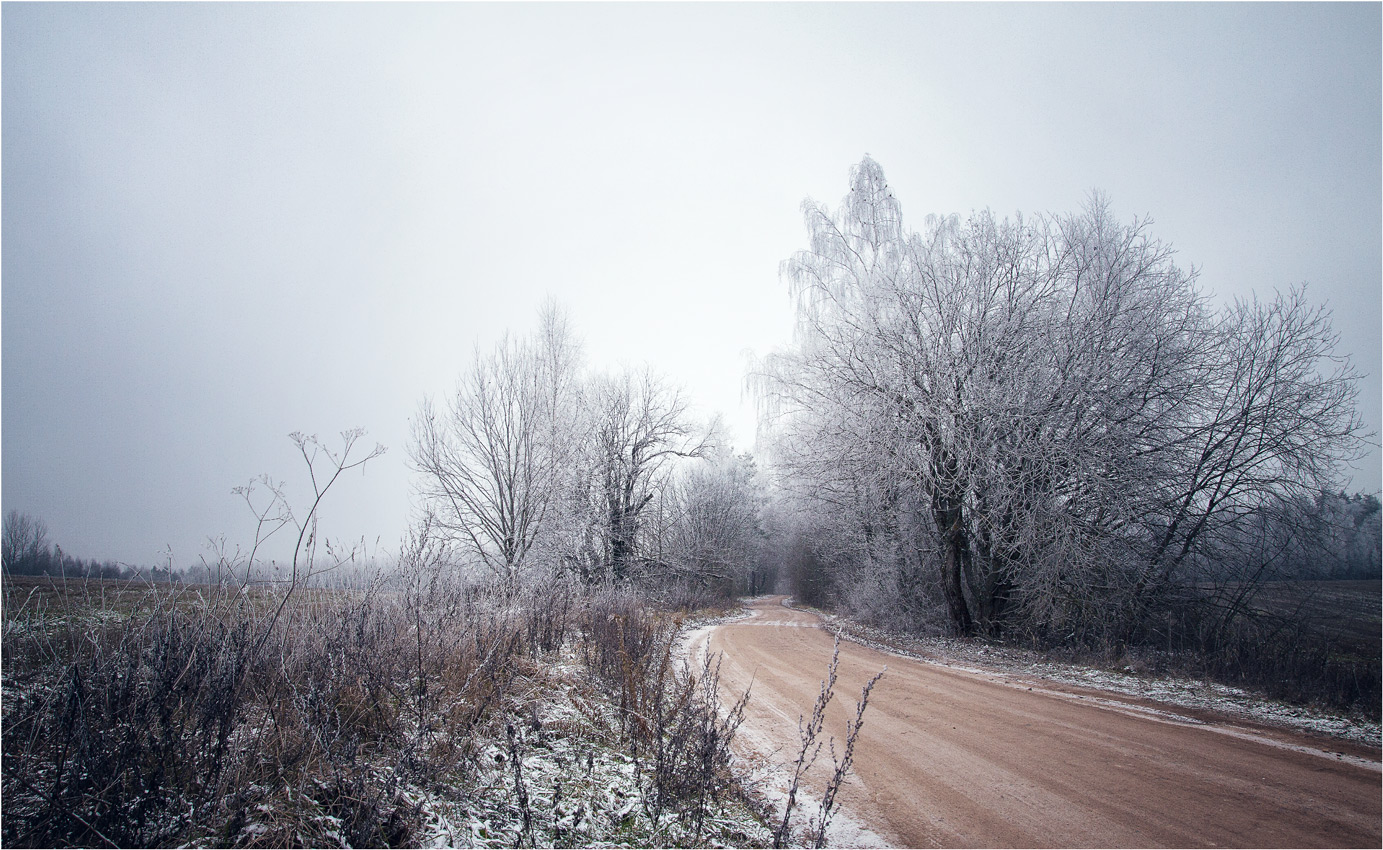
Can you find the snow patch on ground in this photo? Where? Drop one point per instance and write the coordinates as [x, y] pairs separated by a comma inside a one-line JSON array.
[[582, 790]]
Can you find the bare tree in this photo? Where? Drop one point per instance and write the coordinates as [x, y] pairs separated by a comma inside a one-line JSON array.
[[639, 425], [714, 525], [491, 462], [25, 538], [1275, 421]]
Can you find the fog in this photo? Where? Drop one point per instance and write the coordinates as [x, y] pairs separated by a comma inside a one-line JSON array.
[[226, 222]]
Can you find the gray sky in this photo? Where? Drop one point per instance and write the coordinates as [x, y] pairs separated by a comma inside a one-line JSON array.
[[223, 223]]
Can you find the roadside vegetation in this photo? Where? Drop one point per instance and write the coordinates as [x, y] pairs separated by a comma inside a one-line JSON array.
[[396, 714], [442, 698]]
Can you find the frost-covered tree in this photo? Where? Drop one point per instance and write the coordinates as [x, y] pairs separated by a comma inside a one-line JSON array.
[[713, 523], [495, 464], [1046, 410], [639, 424], [25, 544]]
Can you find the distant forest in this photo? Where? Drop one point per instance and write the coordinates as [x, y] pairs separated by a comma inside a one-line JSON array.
[[1346, 543], [29, 552]]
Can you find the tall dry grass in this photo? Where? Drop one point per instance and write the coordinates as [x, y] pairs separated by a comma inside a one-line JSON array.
[[226, 717]]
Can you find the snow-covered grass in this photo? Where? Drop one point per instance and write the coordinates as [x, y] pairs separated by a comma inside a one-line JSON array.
[[583, 788], [380, 719]]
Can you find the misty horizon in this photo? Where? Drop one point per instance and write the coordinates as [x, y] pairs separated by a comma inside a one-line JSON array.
[[224, 223]]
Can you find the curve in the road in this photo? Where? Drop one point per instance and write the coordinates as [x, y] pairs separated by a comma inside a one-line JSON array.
[[951, 757]]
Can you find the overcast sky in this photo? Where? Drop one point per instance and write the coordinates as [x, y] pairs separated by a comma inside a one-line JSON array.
[[223, 223]]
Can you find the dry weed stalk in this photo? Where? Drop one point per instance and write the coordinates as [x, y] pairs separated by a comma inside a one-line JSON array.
[[809, 733]]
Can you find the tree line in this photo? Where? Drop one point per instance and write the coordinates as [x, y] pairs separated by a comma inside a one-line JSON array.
[[1043, 426], [27, 551], [534, 468]]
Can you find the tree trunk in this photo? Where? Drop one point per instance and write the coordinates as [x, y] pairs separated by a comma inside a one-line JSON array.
[[955, 562]]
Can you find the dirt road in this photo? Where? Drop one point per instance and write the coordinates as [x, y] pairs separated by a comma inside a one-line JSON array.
[[952, 757]]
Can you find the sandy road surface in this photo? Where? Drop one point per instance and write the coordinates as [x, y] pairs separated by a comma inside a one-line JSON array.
[[966, 758]]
